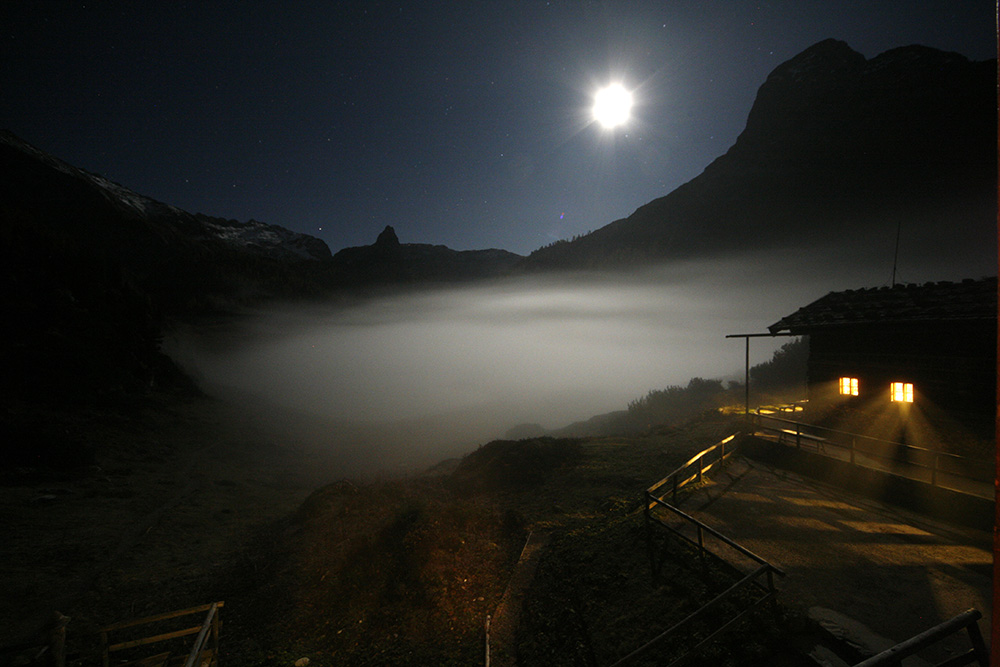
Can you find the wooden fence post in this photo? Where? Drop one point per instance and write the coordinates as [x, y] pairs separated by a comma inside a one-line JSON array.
[[978, 645], [487, 656], [215, 637], [105, 652], [57, 640], [650, 547]]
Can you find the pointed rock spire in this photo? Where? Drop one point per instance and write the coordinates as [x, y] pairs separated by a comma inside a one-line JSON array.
[[387, 238]]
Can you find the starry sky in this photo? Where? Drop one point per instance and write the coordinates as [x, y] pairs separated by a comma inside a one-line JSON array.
[[461, 123]]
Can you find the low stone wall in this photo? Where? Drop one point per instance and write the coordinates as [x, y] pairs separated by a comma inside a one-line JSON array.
[[933, 501]]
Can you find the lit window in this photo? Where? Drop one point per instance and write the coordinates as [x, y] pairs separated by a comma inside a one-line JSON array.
[[849, 386], [901, 392]]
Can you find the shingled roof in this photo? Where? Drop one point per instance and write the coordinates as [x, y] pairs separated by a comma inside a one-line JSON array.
[[943, 301]]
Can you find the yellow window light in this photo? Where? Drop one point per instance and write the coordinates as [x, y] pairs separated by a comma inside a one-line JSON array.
[[901, 392], [849, 386]]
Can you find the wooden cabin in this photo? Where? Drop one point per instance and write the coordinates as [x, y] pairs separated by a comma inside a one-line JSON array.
[[889, 350]]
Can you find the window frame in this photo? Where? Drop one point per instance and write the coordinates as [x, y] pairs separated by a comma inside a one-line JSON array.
[[901, 392], [851, 384]]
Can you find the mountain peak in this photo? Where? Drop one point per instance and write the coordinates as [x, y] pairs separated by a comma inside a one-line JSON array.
[[388, 238], [836, 150], [823, 60]]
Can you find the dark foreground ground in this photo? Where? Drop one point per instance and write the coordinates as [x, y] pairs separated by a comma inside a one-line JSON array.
[[192, 501]]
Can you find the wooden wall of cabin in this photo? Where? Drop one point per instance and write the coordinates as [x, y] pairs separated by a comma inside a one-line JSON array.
[[951, 366]]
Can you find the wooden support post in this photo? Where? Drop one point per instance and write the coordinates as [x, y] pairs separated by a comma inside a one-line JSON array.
[[978, 645], [746, 377], [487, 656], [654, 569], [57, 640], [215, 637]]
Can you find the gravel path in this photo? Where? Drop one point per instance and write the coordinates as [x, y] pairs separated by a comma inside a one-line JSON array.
[[893, 571]]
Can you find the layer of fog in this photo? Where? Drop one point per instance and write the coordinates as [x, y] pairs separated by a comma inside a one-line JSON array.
[[419, 376]]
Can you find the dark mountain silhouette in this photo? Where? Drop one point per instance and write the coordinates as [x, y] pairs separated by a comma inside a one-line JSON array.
[[389, 262], [837, 152], [184, 261], [93, 271]]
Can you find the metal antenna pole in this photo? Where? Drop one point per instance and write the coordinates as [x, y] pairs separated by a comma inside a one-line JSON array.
[[895, 254]]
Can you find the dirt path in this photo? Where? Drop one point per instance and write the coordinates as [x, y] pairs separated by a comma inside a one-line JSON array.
[[894, 571]]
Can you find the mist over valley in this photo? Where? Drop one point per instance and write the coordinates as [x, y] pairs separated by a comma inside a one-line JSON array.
[[432, 372]]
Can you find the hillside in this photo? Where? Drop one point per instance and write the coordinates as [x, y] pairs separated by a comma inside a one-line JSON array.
[[406, 571], [837, 153], [362, 572], [94, 272]]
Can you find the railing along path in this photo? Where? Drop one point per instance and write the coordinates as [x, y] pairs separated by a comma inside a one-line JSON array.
[[937, 468], [654, 498], [204, 651]]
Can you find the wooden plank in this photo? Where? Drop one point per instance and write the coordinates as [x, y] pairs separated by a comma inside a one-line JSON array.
[[199, 644], [161, 617], [961, 659], [923, 640], [721, 629], [150, 661], [680, 469], [208, 656], [700, 611], [738, 547], [156, 638]]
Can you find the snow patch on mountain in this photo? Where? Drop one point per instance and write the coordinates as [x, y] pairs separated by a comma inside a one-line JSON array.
[[261, 236], [253, 235]]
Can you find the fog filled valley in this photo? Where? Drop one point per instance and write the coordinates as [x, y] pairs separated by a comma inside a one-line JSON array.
[[361, 448], [410, 378]]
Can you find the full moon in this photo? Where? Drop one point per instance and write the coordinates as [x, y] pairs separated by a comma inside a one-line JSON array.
[[612, 105]]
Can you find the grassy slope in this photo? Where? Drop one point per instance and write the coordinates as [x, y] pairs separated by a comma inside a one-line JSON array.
[[406, 571], [192, 502]]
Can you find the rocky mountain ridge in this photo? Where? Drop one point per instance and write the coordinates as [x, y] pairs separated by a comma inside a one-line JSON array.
[[388, 261], [837, 153], [28, 185]]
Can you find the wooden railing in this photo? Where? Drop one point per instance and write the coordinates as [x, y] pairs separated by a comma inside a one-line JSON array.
[[205, 650], [693, 470], [654, 498], [951, 471], [750, 582], [703, 529], [967, 620]]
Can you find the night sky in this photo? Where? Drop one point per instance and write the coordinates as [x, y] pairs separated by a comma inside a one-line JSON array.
[[466, 124]]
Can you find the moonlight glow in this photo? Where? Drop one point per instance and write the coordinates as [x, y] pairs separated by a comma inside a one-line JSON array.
[[612, 105]]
